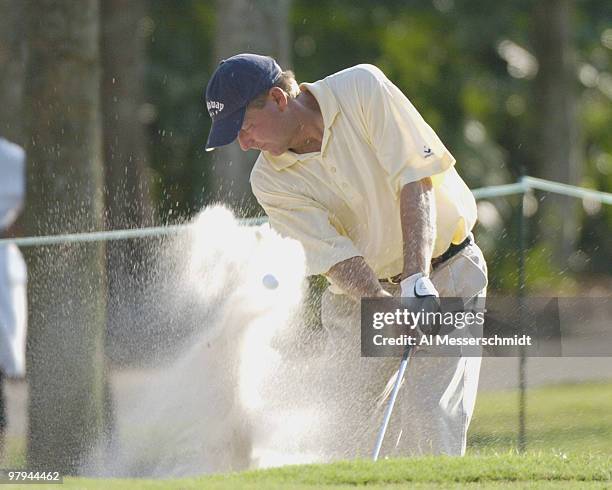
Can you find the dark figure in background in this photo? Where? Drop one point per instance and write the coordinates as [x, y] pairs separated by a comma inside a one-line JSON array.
[[13, 304]]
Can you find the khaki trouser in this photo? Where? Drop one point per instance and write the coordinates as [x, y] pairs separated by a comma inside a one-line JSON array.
[[437, 398]]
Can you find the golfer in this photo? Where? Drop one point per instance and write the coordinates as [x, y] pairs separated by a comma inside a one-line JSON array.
[[349, 168]]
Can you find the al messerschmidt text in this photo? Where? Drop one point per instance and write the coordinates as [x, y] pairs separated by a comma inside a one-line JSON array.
[[408, 340]]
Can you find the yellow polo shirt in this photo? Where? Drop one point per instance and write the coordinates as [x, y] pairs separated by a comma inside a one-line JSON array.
[[343, 201]]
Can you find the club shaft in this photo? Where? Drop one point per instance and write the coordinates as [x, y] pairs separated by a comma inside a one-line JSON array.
[[389, 410]]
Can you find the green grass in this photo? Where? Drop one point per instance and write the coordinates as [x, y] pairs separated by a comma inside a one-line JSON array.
[[15, 453], [493, 471], [569, 440], [562, 418]]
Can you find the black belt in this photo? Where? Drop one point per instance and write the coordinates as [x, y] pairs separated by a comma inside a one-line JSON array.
[[453, 250]]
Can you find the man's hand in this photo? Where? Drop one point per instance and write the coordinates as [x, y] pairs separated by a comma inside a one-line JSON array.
[[418, 286], [357, 279]]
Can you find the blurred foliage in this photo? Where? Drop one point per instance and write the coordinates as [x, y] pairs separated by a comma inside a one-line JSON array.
[[447, 57], [181, 43]]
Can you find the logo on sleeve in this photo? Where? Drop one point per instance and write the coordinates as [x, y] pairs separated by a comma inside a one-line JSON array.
[[427, 152]]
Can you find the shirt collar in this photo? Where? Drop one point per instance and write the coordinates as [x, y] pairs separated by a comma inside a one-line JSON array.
[[329, 109]]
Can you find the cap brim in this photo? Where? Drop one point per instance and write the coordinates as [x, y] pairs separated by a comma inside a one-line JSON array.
[[224, 131]]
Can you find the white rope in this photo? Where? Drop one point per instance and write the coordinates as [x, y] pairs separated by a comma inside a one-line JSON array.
[[500, 190], [520, 187], [98, 236], [95, 236], [567, 190]]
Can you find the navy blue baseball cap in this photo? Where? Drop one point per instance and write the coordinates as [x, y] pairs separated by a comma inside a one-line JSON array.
[[236, 82]]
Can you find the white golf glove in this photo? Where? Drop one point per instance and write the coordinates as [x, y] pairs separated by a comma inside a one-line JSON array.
[[418, 286]]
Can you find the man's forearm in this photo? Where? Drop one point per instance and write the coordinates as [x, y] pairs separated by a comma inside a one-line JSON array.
[[356, 278], [418, 216]]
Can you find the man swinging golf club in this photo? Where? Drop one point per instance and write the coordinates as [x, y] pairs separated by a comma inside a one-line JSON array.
[[350, 169]]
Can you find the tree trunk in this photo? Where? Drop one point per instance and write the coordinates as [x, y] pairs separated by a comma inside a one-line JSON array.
[[12, 59], [254, 26], [67, 286], [557, 146], [128, 198], [127, 178]]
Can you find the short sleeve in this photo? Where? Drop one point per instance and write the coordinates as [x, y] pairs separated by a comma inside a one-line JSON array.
[[303, 219], [405, 145]]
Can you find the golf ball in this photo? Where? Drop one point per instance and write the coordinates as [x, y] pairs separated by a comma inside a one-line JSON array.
[[270, 281]]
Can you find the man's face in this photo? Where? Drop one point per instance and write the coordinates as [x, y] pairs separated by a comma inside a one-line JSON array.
[[266, 128]]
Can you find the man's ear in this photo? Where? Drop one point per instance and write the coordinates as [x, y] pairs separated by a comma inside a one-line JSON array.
[[280, 97]]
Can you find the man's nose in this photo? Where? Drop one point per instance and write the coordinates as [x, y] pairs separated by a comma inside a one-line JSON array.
[[244, 140]]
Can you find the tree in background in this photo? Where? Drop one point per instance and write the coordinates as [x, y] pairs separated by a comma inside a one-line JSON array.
[[125, 26], [67, 287], [556, 146], [255, 26]]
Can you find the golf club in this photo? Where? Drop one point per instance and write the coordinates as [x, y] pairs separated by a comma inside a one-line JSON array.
[[389, 410]]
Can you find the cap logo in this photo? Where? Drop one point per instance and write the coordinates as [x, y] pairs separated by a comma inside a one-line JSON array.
[[214, 107]]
